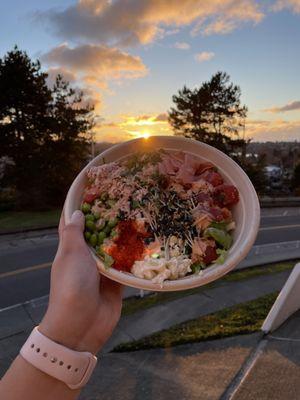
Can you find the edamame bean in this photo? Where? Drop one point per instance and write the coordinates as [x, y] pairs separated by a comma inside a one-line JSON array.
[[93, 239], [107, 230], [100, 251], [112, 222], [101, 237], [89, 217], [85, 208], [90, 225], [96, 215], [113, 233], [87, 235]]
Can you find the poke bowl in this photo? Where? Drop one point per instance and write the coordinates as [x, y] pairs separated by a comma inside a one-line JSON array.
[[165, 213]]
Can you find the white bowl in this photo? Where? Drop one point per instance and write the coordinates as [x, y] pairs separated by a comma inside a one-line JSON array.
[[246, 213]]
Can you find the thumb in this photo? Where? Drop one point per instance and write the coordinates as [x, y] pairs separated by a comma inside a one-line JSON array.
[[77, 219], [72, 234]]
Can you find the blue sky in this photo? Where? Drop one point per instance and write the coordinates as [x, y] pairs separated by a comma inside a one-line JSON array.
[[258, 46]]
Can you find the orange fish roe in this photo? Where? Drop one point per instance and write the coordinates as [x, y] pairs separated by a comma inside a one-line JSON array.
[[128, 247]]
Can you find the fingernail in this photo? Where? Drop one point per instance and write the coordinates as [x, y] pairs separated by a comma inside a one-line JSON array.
[[76, 216]]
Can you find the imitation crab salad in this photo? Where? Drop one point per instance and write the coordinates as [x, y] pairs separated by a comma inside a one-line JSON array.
[[159, 215]]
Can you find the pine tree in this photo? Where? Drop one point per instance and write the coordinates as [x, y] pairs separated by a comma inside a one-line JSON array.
[[41, 129], [211, 113]]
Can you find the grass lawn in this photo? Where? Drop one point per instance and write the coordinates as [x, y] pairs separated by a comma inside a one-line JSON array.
[[135, 304], [240, 319], [18, 220]]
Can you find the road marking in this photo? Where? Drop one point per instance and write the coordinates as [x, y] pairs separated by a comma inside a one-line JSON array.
[[270, 228], [23, 270]]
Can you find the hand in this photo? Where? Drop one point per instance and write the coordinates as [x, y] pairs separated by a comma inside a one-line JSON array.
[[84, 307]]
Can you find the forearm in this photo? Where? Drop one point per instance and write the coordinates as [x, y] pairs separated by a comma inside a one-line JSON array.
[[24, 382]]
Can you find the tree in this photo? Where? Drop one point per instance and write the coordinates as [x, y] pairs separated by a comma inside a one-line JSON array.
[[42, 130], [255, 171], [211, 113], [67, 145]]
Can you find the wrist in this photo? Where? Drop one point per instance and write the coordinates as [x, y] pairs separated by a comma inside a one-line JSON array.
[[64, 335]]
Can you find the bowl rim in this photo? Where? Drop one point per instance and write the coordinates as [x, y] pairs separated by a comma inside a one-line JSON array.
[[189, 281]]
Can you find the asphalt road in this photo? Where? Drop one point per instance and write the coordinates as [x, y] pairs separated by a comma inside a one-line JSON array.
[[25, 261]]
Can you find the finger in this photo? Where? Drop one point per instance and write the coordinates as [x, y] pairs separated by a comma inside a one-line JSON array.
[[110, 289], [72, 233], [62, 224]]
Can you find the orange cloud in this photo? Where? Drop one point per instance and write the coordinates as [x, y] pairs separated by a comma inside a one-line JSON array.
[[96, 63], [293, 5], [68, 76], [90, 97], [129, 22], [264, 130], [204, 56], [292, 106], [182, 46], [130, 127]]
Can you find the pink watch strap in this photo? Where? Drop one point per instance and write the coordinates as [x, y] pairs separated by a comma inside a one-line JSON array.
[[74, 368]]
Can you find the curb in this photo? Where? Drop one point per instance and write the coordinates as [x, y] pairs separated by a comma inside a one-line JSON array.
[[25, 230], [273, 202], [271, 253]]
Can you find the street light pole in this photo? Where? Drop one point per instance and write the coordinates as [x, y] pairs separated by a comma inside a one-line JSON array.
[[92, 144]]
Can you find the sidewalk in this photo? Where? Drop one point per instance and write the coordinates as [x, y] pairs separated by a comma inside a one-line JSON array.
[[274, 368]]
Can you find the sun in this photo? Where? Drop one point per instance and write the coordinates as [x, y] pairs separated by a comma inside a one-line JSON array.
[[145, 135]]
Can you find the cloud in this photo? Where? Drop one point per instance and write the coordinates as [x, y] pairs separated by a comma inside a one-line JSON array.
[[293, 5], [68, 76], [131, 22], [182, 45], [204, 56], [96, 63], [161, 117], [90, 97], [294, 105], [125, 127], [144, 120], [277, 130], [110, 125]]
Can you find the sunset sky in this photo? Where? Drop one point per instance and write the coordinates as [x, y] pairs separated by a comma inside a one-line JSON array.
[[131, 56]]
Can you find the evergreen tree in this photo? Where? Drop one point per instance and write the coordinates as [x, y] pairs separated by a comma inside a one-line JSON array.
[[43, 130], [211, 113]]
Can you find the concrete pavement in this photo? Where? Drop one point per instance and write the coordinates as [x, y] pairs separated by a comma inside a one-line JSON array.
[[273, 370], [200, 371]]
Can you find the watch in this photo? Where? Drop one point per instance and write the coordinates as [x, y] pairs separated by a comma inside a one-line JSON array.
[[74, 368]]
